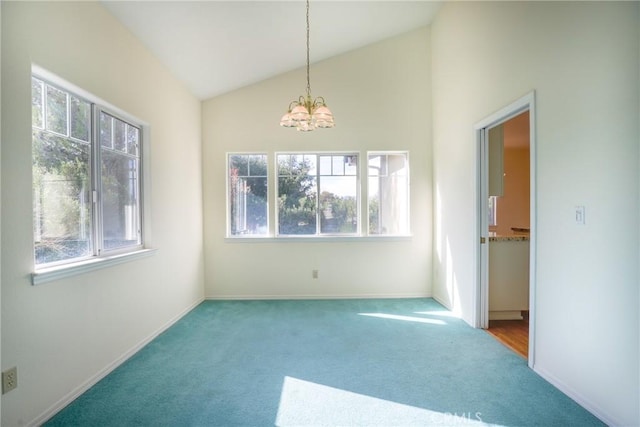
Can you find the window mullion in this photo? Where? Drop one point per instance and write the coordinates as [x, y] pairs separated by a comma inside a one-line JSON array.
[[318, 217], [68, 98], [97, 182], [45, 108]]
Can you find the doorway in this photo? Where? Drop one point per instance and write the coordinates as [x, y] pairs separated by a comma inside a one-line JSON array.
[[505, 297]]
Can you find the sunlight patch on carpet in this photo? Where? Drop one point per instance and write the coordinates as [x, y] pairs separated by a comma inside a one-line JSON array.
[[443, 313], [405, 318], [304, 403]]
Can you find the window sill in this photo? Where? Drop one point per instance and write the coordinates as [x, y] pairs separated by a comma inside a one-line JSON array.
[[318, 239], [58, 272]]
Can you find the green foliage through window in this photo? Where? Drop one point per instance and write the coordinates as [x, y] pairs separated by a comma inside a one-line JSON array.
[[317, 194]]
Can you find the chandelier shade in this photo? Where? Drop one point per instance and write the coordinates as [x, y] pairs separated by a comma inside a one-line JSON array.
[[307, 114]]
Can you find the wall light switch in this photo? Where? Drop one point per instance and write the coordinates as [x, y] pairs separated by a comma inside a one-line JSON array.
[[580, 220]]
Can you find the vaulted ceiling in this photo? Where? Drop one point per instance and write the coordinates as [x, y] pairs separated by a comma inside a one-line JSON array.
[[218, 46]]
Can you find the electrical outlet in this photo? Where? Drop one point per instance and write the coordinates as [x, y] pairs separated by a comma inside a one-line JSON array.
[[9, 380], [314, 274]]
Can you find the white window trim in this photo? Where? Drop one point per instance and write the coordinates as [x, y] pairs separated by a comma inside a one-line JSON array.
[[52, 272], [322, 239]]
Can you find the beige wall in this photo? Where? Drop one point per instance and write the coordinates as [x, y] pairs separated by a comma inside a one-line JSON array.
[[62, 335], [581, 58], [380, 96]]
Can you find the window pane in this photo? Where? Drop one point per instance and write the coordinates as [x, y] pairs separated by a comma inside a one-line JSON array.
[[120, 135], [297, 194], [56, 110], [338, 195], [338, 205], [248, 195], [388, 199], [351, 165], [240, 164], [258, 165], [325, 165], [374, 165], [37, 110], [120, 185], [314, 195], [106, 127], [338, 165], [311, 163], [80, 113], [133, 140], [120, 200], [61, 198]]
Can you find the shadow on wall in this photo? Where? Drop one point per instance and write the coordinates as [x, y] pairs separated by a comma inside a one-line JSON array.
[[444, 262]]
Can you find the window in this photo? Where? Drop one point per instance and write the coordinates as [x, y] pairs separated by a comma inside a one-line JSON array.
[[388, 197], [247, 184], [86, 178], [119, 181], [317, 194]]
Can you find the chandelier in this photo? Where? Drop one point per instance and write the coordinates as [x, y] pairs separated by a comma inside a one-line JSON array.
[[307, 113]]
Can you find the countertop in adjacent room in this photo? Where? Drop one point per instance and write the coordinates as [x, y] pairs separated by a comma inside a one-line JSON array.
[[516, 237]]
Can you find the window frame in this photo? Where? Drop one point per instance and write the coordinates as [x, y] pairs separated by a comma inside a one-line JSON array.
[[362, 190], [406, 154], [318, 234], [99, 256], [229, 234], [60, 87], [98, 183]]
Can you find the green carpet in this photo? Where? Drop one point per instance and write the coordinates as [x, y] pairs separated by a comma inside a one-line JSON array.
[[401, 362]]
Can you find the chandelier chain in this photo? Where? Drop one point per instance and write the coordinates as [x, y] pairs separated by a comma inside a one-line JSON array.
[[307, 114], [308, 80]]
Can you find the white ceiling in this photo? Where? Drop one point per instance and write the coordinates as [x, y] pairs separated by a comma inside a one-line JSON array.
[[218, 46]]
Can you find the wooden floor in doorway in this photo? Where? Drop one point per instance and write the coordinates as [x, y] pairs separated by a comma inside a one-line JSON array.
[[512, 333]]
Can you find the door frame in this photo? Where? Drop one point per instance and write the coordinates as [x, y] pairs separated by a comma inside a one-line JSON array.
[[481, 295]]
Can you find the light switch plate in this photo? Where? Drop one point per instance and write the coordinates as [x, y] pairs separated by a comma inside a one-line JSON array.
[[580, 220]]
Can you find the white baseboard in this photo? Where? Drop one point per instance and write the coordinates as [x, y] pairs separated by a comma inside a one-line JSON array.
[[311, 297], [442, 302], [505, 315], [66, 400], [578, 398]]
